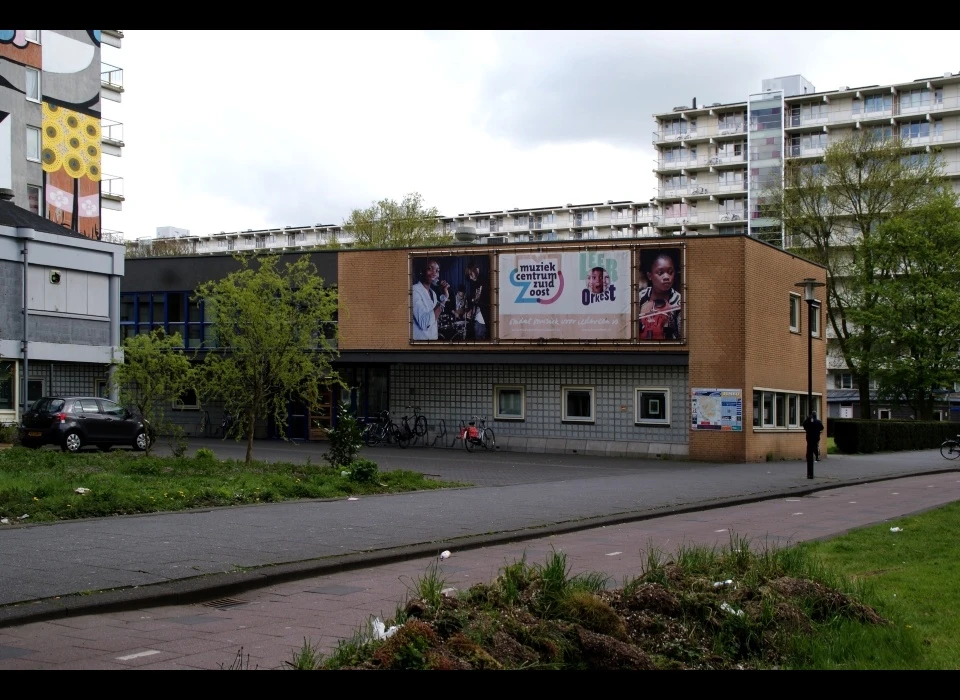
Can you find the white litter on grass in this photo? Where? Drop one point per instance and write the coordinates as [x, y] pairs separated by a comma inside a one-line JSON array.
[[718, 584], [613, 554], [5, 521], [896, 529], [380, 631], [344, 473], [23, 517], [353, 499], [445, 554], [81, 490], [449, 592], [726, 607]]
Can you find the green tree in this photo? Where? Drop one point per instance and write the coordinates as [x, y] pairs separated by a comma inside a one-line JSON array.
[[155, 371], [915, 317], [389, 224], [274, 340], [346, 438], [829, 211]]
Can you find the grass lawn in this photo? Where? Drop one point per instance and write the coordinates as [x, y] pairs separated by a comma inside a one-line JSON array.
[[831, 446], [48, 485]]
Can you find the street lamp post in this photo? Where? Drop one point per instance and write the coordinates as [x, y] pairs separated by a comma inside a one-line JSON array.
[[809, 285]]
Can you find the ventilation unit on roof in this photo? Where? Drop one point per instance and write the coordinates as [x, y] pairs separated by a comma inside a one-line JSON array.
[[948, 74], [842, 88], [568, 204], [680, 109], [609, 201]]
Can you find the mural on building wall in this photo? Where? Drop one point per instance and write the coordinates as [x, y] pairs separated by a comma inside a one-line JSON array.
[[660, 299], [450, 298], [70, 156], [14, 45], [565, 295]]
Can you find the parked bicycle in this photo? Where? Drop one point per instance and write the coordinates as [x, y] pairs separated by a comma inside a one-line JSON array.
[[476, 433], [419, 421], [382, 430], [950, 449]]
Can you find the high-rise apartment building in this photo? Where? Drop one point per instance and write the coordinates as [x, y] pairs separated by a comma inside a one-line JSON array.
[[52, 130]]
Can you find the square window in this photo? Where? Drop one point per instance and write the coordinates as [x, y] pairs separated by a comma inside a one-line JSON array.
[[34, 390], [884, 414], [32, 150], [509, 403], [33, 84], [188, 400], [102, 389], [653, 406], [795, 313], [578, 404], [34, 198]]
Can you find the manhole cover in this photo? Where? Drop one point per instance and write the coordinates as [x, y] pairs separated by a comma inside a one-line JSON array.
[[224, 603]]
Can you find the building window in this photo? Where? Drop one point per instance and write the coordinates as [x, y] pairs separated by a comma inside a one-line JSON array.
[[509, 403], [844, 381], [32, 35], [6, 386], [34, 198], [102, 389], [780, 406], [33, 144], [34, 390], [815, 321], [187, 401], [33, 84], [884, 414], [794, 410], [795, 313], [578, 404], [652, 406], [780, 409]]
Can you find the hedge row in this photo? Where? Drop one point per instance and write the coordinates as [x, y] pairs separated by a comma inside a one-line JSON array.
[[853, 435]]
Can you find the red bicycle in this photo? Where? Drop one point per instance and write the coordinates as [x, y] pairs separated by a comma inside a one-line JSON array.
[[476, 433]]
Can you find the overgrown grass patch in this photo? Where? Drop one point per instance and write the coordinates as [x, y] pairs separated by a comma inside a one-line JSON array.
[[43, 484]]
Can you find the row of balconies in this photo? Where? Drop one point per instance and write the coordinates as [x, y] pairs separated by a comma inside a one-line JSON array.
[[822, 117]]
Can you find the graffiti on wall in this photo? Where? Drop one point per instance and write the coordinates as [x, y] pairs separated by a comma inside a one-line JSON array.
[[70, 157]]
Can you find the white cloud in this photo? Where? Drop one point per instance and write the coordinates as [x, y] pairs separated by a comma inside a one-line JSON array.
[[250, 129]]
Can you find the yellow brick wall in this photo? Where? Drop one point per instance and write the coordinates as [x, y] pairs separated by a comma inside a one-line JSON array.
[[774, 357], [716, 333]]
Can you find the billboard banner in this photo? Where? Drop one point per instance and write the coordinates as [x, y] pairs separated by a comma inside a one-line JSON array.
[[659, 302], [716, 409], [450, 298], [572, 295]]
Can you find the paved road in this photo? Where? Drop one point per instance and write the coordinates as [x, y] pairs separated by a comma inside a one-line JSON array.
[[179, 556], [271, 623]]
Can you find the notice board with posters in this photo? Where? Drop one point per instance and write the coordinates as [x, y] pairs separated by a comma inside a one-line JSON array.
[[716, 409]]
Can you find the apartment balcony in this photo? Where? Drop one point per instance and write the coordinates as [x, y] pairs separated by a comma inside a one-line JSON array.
[[806, 151], [677, 221], [684, 191], [728, 187], [111, 236], [111, 37], [699, 132], [723, 160], [111, 137], [111, 192], [111, 82]]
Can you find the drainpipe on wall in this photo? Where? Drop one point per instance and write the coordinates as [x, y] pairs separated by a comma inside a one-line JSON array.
[[25, 234]]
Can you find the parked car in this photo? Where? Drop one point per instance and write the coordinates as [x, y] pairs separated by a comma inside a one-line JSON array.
[[73, 422]]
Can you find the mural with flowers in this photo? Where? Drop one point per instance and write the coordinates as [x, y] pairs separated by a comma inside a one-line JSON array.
[[70, 156]]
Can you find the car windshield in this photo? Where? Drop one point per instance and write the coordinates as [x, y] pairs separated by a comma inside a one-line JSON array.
[[48, 405]]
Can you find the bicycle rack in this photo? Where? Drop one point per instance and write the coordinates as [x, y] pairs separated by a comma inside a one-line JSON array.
[[460, 430], [441, 433]]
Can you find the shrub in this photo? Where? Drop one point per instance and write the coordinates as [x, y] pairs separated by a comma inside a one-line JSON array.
[[8, 433], [205, 454], [854, 435], [364, 471], [345, 439]]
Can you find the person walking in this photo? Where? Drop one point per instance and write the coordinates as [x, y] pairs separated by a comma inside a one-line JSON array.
[[813, 428]]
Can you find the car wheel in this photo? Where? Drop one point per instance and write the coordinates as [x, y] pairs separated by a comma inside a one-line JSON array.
[[104, 448], [141, 442], [72, 442]]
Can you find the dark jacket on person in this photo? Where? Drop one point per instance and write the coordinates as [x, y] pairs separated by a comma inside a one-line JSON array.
[[814, 427]]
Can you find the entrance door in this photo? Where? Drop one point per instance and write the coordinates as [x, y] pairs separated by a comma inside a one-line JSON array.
[[297, 420], [846, 411]]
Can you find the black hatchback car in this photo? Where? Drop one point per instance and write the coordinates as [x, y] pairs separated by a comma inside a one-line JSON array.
[[77, 421]]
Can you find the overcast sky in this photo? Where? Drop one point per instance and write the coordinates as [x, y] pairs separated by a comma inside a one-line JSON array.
[[234, 130]]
